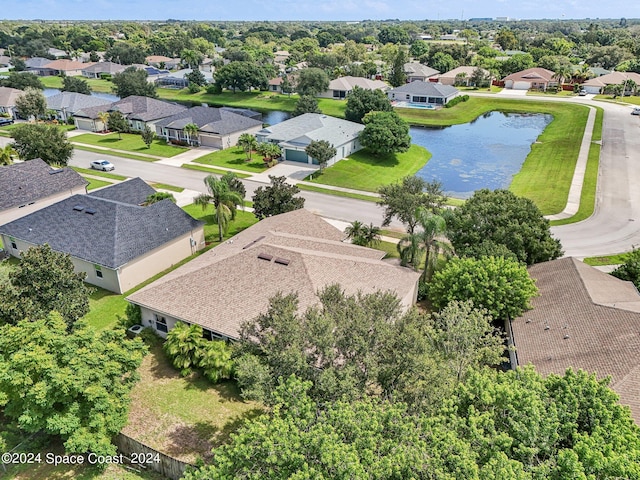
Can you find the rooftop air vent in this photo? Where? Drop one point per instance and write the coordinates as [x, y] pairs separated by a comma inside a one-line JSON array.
[[282, 261], [57, 170], [90, 211], [78, 208], [265, 256], [253, 243]]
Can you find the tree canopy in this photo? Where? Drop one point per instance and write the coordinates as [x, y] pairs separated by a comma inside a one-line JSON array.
[[133, 81], [76, 84], [306, 104], [75, 385], [362, 101], [385, 132], [312, 81], [241, 76], [44, 281], [499, 217], [279, 197], [22, 80], [47, 142], [32, 103], [321, 151]]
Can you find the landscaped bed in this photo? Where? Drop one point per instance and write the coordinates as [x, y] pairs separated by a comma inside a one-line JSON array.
[[130, 142]]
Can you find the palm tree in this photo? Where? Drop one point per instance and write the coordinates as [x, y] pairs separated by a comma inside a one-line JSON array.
[[191, 130], [104, 118], [562, 74], [354, 232], [424, 242], [371, 235], [630, 87], [182, 343], [6, 154], [224, 200], [248, 143], [363, 235]]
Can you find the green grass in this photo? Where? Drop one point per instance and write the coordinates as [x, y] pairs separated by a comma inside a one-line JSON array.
[[96, 85], [390, 248], [217, 171], [614, 259], [393, 233], [164, 186], [98, 173], [234, 158], [184, 416], [367, 172], [115, 154], [242, 221], [130, 142], [337, 193], [95, 183], [6, 130], [589, 186], [621, 100], [561, 93]]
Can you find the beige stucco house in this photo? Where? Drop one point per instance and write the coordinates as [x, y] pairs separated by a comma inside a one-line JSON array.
[[110, 235], [292, 252], [530, 79], [29, 186], [341, 87]]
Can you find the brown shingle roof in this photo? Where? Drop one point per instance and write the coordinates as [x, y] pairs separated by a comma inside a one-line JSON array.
[[584, 319], [230, 284]]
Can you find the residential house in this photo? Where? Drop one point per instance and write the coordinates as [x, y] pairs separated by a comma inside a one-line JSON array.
[[178, 79], [423, 93], [217, 127], [598, 84], [138, 110], [8, 100], [5, 61], [161, 61], [96, 70], [419, 72], [342, 86], [38, 66], [29, 186], [292, 252], [295, 134], [70, 68], [109, 235], [461, 76], [281, 56], [530, 79], [57, 53], [66, 104], [582, 319]]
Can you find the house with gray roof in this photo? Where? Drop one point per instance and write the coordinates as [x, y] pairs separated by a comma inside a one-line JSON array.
[[38, 66], [217, 127], [29, 186], [419, 72], [8, 98], [582, 319], [110, 235], [423, 93], [95, 70], [138, 110], [66, 104], [295, 134], [292, 252]]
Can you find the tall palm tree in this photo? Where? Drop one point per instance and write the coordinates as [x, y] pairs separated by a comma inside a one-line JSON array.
[[224, 200], [191, 130], [562, 74], [104, 118], [248, 143], [354, 232], [6, 154], [424, 243]]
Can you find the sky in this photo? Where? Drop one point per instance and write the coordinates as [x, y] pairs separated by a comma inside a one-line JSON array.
[[313, 9]]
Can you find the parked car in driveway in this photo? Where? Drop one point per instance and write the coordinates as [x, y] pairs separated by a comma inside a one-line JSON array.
[[582, 93], [104, 165], [6, 121]]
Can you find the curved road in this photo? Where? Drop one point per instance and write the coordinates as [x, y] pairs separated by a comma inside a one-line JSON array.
[[614, 227]]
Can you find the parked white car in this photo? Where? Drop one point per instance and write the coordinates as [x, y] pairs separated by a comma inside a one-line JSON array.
[[635, 111], [103, 165]]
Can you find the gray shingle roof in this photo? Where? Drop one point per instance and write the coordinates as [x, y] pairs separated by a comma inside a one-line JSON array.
[[33, 180], [305, 128], [133, 192], [316, 258], [428, 89], [72, 101], [210, 120], [135, 107], [419, 69], [583, 318], [8, 96], [115, 234], [104, 67]]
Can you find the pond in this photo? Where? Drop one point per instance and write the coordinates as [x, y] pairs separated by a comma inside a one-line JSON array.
[[485, 153], [109, 97]]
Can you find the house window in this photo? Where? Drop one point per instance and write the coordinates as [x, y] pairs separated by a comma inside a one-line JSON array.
[[14, 245], [209, 335], [420, 99], [161, 323], [98, 270], [408, 97]]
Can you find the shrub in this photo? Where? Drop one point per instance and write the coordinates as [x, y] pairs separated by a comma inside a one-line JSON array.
[[193, 88], [71, 121], [105, 76], [214, 89], [453, 102], [149, 336]]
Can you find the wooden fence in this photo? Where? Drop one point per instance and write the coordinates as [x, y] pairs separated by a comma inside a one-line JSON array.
[[149, 458]]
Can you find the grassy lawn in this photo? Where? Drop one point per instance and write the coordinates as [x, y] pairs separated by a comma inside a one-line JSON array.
[[6, 130], [364, 171], [98, 173], [562, 93], [130, 142], [242, 221], [390, 248], [621, 100], [589, 186], [95, 183], [615, 259], [115, 154], [184, 417], [235, 158], [337, 193], [96, 85], [164, 186], [216, 171]]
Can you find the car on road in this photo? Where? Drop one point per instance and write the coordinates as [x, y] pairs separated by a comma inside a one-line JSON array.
[[6, 121], [635, 111], [104, 165]]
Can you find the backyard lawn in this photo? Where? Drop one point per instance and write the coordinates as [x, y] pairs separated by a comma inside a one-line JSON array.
[[130, 142], [242, 221], [235, 158], [365, 171], [95, 183]]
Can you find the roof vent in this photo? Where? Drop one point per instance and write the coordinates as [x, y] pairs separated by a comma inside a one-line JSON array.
[[90, 211], [57, 170], [78, 208], [265, 256], [282, 261], [252, 243]]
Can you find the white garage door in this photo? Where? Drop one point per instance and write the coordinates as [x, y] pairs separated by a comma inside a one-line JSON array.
[[210, 141]]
